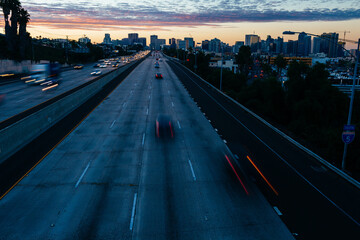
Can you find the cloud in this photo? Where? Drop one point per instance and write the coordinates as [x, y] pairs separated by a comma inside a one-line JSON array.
[[145, 15]]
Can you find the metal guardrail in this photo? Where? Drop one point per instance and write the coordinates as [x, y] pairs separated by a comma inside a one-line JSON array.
[[308, 151]]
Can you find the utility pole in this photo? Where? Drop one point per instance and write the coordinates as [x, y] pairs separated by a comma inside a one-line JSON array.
[[343, 163], [66, 49], [221, 69]]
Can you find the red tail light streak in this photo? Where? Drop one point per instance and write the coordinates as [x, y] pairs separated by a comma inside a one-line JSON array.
[[262, 175], [237, 175]]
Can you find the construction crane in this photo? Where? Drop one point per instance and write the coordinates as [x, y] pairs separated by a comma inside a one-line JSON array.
[[343, 41]]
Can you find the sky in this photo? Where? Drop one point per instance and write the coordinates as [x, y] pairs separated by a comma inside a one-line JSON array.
[[228, 20]]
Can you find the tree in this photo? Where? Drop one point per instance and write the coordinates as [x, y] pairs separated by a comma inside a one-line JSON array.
[[24, 18], [243, 59], [280, 63], [11, 7]]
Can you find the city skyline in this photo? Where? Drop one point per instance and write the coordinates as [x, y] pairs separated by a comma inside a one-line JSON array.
[[229, 21]]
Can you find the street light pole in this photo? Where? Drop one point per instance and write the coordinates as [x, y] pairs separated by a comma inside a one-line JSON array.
[[343, 163], [221, 69]]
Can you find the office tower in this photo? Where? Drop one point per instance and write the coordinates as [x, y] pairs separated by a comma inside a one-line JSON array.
[[133, 38], [107, 39]]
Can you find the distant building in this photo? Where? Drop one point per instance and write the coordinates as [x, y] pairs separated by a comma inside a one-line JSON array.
[[189, 43], [205, 45], [306, 60], [84, 40], [316, 45], [182, 44], [159, 43], [153, 39], [251, 39], [279, 45], [304, 44], [133, 38], [329, 44], [142, 41], [107, 39], [237, 46], [215, 45], [125, 41]]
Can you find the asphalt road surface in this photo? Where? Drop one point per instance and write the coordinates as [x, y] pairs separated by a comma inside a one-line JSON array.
[[20, 96], [111, 178]]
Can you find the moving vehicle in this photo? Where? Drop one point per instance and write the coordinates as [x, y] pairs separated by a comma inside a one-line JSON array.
[[96, 72], [40, 73], [116, 65], [2, 98], [164, 126], [158, 75], [78, 66], [157, 65]]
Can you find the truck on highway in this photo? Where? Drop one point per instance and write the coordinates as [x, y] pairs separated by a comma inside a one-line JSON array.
[[44, 74]]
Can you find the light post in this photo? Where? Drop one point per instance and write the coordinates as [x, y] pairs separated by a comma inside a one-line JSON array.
[[356, 57], [221, 69]]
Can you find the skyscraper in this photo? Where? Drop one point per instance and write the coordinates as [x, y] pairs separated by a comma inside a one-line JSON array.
[[251, 39], [133, 38], [107, 39], [316, 45], [189, 43], [153, 39], [329, 44]]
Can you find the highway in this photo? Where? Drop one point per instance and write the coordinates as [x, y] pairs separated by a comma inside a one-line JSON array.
[[111, 178], [315, 202], [20, 96]]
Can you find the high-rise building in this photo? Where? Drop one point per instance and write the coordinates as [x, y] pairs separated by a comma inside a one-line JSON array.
[[189, 43], [142, 41], [133, 38], [316, 45], [329, 44], [215, 45], [205, 45], [182, 44], [251, 39], [279, 45], [107, 39], [301, 44], [153, 39]]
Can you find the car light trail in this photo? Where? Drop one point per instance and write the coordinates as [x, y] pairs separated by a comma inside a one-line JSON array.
[[171, 130], [262, 175], [237, 175], [50, 87]]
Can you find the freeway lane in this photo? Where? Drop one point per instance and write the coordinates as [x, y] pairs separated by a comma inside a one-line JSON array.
[[315, 202], [20, 97], [111, 178]]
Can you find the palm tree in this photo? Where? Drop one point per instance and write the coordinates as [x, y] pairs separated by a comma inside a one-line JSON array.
[[10, 6], [5, 5], [24, 18]]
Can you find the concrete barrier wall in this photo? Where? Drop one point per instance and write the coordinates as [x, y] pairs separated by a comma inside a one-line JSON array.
[[27, 129]]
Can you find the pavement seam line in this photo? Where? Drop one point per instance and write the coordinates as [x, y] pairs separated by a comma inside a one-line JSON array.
[[192, 170], [133, 212]]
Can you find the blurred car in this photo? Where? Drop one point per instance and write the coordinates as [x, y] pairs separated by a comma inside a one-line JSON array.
[[158, 75], [78, 66], [2, 98], [116, 65], [157, 65], [164, 126], [102, 66], [96, 72]]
